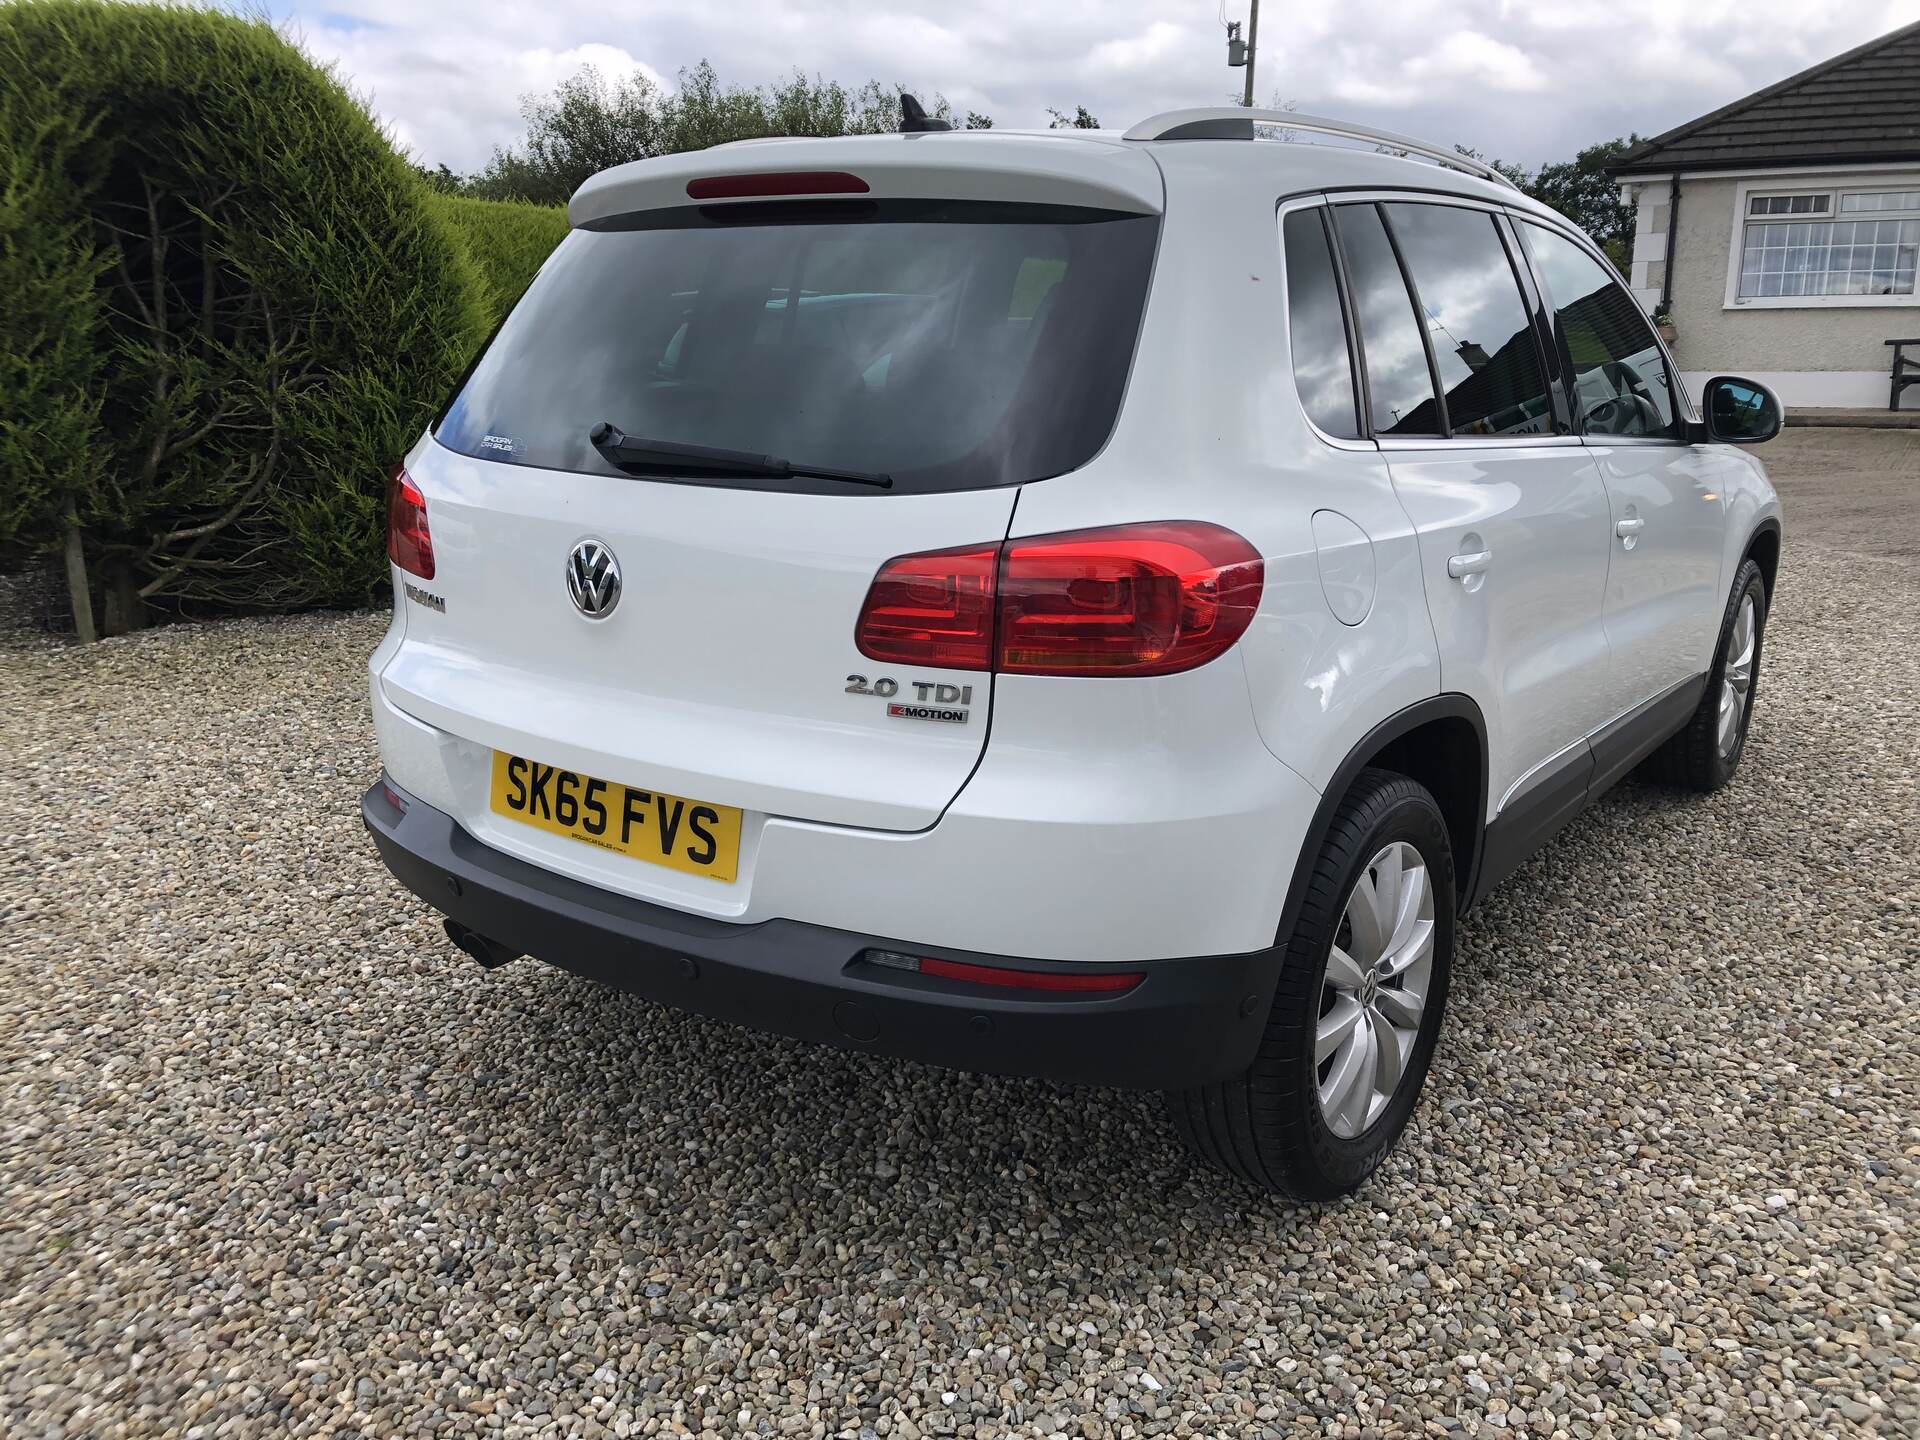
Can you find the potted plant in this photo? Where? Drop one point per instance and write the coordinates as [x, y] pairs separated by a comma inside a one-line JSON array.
[[1663, 321]]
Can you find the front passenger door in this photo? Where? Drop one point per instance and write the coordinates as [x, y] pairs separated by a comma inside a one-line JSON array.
[[1668, 518]]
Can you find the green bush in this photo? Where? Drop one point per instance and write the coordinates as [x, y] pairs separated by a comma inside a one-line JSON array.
[[229, 305], [506, 240]]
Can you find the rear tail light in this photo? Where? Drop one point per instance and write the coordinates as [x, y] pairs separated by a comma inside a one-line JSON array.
[[1137, 600], [932, 609], [1083, 982], [1149, 599], [408, 544]]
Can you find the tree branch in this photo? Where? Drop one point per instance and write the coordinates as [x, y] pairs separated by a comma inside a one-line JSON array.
[[257, 475], [188, 441], [157, 323]]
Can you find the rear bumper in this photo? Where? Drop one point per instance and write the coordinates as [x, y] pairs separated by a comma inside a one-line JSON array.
[[1188, 1022]]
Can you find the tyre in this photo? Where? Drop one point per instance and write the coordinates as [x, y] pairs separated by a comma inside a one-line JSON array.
[[1363, 985], [1707, 750]]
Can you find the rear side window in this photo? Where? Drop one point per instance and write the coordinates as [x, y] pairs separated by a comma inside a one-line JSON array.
[[950, 345], [1483, 343], [1399, 384], [1620, 380], [1316, 332]]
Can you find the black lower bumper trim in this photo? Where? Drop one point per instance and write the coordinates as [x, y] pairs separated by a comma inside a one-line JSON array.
[[1188, 1022]]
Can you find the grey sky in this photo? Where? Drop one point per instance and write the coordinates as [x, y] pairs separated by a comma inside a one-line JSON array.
[[1521, 81]]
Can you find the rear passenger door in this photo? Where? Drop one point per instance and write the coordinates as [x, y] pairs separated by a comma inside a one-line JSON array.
[[1512, 517], [1663, 582]]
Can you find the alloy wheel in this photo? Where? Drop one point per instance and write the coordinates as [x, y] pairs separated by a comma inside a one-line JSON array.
[[1736, 679], [1375, 992]]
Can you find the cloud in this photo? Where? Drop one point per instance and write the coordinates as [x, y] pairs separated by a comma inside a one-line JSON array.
[[1468, 57], [1135, 53], [544, 69], [1525, 80]]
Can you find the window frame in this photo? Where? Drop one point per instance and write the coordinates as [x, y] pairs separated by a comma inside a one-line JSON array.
[[1356, 372], [1546, 332], [1525, 284], [1556, 363], [1316, 201], [1684, 415], [1836, 187], [1525, 287], [1413, 302]]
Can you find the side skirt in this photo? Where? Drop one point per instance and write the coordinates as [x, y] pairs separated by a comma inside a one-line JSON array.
[[1618, 747], [1573, 781]]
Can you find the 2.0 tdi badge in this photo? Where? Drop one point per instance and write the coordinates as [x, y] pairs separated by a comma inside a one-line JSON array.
[[948, 702]]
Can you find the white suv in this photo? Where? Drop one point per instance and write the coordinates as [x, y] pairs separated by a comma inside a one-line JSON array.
[[1074, 604]]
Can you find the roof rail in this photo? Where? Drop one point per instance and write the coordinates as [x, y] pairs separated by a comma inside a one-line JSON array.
[[1237, 122]]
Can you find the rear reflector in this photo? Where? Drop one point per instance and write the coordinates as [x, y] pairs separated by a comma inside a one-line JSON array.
[[791, 182], [1149, 599], [1092, 982], [409, 545]]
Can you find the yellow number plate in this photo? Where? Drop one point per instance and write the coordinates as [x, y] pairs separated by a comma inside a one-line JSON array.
[[687, 835]]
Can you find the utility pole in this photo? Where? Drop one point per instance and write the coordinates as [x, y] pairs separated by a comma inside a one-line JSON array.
[[1253, 42]]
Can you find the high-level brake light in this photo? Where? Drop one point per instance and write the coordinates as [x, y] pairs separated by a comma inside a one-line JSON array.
[[774, 183]]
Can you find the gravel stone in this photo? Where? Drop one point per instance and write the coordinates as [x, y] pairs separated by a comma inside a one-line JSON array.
[[276, 1161]]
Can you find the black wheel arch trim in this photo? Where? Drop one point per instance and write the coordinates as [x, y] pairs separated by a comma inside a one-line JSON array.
[[1448, 706], [1769, 525]]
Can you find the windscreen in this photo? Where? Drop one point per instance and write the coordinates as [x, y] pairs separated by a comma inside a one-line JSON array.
[[949, 346]]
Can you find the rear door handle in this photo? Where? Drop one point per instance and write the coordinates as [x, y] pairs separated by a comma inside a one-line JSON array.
[[1461, 566], [1627, 529]]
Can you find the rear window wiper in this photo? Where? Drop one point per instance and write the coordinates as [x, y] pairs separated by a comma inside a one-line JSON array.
[[669, 457]]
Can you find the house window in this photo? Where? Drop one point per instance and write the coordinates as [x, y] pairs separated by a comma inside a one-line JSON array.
[[1881, 200], [1792, 247], [1789, 204]]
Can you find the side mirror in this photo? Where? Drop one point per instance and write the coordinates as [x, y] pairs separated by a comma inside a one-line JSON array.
[[1741, 412]]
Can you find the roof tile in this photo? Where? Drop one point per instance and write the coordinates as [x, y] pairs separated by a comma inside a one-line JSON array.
[[1857, 107]]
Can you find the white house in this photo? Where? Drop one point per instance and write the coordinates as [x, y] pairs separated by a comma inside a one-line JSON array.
[[1780, 232]]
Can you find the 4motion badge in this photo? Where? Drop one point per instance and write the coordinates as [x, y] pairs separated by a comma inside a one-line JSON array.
[[933, 700]]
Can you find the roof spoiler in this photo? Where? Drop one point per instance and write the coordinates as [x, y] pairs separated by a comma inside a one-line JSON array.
[[1236, 122]]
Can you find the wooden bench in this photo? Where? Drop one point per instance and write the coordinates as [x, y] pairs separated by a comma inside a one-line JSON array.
[[1905, 371]]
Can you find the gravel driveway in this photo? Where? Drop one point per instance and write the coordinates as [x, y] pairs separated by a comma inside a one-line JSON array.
[[275, 1161]]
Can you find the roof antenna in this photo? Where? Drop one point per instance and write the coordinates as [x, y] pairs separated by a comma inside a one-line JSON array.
[[913, 118]]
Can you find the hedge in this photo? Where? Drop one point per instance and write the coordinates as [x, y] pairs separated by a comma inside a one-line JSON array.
[[506, 240], [230, 305]]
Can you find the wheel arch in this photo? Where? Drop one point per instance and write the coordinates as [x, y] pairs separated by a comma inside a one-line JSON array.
[[1441, 742], [1763, 548]]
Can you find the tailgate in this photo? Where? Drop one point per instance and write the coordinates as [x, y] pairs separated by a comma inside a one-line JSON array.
[[723, 671]]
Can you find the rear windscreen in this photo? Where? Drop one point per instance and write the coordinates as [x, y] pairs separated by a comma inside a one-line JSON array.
[[951, 346]]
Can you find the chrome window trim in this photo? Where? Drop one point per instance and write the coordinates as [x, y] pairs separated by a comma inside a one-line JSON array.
[[1371, 447], [1376, 196], [1450, 446]]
